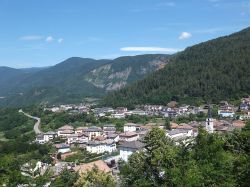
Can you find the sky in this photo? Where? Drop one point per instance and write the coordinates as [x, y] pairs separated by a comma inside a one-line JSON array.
[[37, 33]]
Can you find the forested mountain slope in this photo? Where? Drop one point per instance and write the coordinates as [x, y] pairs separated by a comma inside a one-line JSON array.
[[210, 71], [73, 79]]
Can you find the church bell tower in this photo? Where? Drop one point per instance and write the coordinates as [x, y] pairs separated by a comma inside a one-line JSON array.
[[209, 121]]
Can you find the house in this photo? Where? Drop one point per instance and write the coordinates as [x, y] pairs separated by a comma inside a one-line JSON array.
[[100, 138], [40, 139], [226, 113], [101, 146], [100, 112], [45, 137], [244, 106], [121, 110], [109, 128], [245, 117], [224, 129], [49, 136], [129, 136], [238, 124], [128, 148], [100, 164], [66, 107], [179, 133], [80, 129], [183, 109], [246, 100], [59, 167], [173, 125], [113, 136], [65, 131], [170, 114], [131, 127], [93, 132], [153, 108], [62, 148], [138, 112], [78, 138], [118, 115], [142, 133], [184, 126]]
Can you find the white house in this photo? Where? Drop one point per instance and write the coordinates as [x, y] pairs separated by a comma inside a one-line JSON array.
[[226, 113], [131, 127], [40, 139], [46, 137], [138, 112], [121, 110], [245, 117], [180, 133], [49, 136], [109, 128], [55, 109], [78, 138], [118, 115], [129, 136], [113, 136], [80, 129], [65, 131], [62, 148], [244, 106], [128, 148], [93, 132], [101, 146]]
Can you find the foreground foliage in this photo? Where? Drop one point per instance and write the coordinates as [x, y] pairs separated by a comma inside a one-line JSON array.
[[209, 160]]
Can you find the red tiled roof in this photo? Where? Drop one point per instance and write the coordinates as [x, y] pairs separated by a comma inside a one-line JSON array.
[[100, 138], [128, 134], [100, 164], [239, 124], [66, 127]]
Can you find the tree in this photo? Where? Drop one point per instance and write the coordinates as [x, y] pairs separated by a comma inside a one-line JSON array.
[[213, 162], [95, 178], [167, 124], [59, 156], [66, 179], [155, 166]]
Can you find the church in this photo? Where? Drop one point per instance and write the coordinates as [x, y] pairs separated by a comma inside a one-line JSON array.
[[209, 122]]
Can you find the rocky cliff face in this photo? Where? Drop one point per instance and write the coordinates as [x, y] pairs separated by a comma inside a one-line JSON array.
[[116, 75]]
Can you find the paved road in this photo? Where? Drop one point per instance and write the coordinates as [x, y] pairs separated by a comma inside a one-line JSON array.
[[37, 124]]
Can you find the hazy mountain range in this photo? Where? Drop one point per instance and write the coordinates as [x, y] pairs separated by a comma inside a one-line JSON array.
[[73, 79]]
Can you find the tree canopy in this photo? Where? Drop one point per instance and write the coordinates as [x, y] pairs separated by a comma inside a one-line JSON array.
[[207, 160]]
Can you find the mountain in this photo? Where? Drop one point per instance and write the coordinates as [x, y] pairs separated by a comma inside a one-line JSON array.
[[211, 71], [73, 79], [125, 70]]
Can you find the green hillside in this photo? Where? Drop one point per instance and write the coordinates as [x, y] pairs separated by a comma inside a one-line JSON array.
[[211, 71], [73, 79]]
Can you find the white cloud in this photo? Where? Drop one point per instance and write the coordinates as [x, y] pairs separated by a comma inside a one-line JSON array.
[[30, 37], [185, 35], [208, 31], [60, 40], [150, 49], [168, 4], [49, 39]]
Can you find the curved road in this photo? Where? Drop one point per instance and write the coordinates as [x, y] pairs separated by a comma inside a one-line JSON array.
[[37, 124]]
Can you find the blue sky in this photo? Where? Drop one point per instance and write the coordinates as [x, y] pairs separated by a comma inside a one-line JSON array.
[[36, 33]]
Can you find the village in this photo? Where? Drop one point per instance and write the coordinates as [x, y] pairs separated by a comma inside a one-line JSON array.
[[81, 148]]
